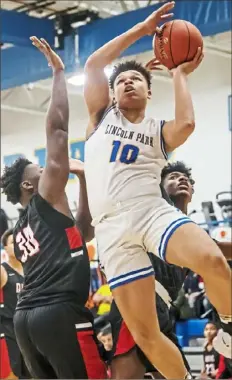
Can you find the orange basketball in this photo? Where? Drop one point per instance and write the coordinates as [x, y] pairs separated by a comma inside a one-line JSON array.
[[176, 42]]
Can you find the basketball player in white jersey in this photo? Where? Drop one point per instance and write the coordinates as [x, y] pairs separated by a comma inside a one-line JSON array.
[[124, 155]]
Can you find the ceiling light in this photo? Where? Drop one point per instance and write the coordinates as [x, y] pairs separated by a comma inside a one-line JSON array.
[[79, 79]]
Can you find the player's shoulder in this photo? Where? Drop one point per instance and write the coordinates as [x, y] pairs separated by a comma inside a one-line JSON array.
[[97, 120]]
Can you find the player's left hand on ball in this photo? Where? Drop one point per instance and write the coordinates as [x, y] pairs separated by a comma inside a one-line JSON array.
[[76, 167], [53, 59], [153, 65], [188, 67]]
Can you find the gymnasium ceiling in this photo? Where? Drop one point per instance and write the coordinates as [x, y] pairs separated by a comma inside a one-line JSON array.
[[33, 99], [49, 8]]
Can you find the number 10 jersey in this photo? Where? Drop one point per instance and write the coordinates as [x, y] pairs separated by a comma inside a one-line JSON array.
[[123, 161]]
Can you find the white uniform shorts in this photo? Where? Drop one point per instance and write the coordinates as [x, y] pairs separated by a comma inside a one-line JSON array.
[[125, 235]]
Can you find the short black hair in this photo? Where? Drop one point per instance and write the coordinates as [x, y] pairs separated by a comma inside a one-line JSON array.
[[178, 166], [5, 236], [11, 179], [129, 65], [210, 322]]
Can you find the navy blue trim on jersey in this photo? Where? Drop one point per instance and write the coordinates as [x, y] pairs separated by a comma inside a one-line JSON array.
[[162, 142], [130, 277], [100, 122], [168, 233]]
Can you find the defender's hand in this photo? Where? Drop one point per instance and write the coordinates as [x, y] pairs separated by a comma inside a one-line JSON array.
[[162, 14], [53, 59], [76, 167], [188, 67]]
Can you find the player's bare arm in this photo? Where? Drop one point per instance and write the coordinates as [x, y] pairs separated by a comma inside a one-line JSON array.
[[176, 132], [83, 217], [3, 278], [96, 89], [55, 174]]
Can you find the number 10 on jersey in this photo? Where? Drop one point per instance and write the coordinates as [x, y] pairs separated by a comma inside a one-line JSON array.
[[128, 154]]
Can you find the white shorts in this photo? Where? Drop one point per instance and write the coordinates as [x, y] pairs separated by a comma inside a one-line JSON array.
[[126, 235]]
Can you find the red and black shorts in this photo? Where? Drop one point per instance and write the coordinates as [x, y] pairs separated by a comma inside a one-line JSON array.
[[11, 359], [58, 342], [5, 367], [124, 342]]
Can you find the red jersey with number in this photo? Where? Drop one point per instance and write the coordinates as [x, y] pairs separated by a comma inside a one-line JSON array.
[[54, 257]]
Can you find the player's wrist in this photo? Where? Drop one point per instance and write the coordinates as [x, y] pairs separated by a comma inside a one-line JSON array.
[[144, 29], [178, 71]]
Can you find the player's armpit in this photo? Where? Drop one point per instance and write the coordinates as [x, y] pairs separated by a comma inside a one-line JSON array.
[[175, 134], [3, 279]]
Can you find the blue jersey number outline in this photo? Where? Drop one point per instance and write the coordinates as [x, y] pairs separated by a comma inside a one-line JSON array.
[[129, 153]]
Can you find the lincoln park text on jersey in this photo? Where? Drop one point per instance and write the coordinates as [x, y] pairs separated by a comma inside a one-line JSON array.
[[130, 135]]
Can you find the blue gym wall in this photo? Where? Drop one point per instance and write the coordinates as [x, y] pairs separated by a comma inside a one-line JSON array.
[[211, 17]]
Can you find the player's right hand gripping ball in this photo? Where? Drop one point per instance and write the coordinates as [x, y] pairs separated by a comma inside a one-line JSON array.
[[176, 42]]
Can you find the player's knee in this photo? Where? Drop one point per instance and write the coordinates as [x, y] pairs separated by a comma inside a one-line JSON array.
[[146, 335], [214, 262]]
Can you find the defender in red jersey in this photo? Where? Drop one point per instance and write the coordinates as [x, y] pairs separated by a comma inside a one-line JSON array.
[[53, 327]]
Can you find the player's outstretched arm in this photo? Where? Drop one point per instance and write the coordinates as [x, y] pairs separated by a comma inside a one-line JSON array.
[[83, 217], [176, 132], [96, 89], [55, 174]]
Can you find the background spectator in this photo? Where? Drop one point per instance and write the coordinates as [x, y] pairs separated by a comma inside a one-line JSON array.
[[3, 222], [210, 356]]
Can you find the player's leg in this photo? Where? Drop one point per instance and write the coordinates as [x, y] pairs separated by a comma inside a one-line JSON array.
[[69, 346], [131, 277], [37, 364], [183, 243], [136, 302], [205, 258], [124, 361], [127, 366]]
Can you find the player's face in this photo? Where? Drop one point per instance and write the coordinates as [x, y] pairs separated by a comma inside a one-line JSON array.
[[131, 90], [210, 331], [178, 184], [9, 248], [107, 342], [31, 178]]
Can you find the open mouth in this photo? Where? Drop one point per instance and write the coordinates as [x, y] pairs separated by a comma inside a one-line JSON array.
[[129, 89], [183, 186]]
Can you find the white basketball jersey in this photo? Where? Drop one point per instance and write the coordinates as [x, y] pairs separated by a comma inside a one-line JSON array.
[[123, 161]]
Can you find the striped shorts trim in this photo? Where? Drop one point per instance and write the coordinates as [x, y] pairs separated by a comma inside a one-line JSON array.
[[168, 233], [130, 277]]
